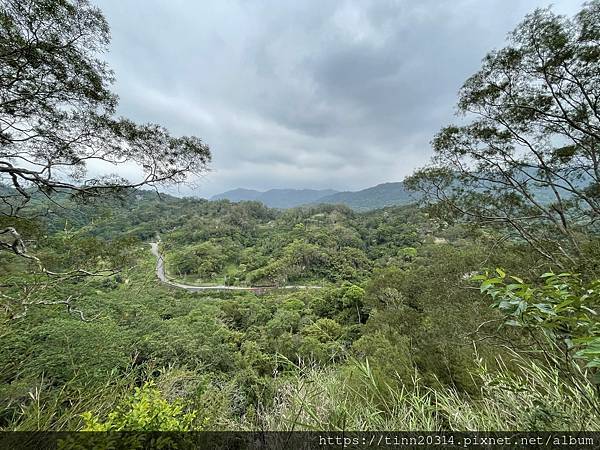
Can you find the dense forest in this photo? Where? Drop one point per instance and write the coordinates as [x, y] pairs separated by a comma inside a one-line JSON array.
[[397, 327], [475, 308]]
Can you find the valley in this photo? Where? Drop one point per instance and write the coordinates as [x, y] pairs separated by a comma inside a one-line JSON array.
[[462, 296], [160, 273]]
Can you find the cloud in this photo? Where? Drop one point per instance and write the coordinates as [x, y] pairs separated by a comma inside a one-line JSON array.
[[341, 94]]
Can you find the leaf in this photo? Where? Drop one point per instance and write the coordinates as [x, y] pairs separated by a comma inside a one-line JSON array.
[[521, 308], [505, 305], [589, 310], [545, 308]]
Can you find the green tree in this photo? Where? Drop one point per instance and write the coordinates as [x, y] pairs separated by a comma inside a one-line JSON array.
[[529, 158], [353, 298], [57, 113]]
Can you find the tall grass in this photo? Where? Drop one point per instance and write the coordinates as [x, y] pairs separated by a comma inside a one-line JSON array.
[[533, 397], [518, 394], [46, 407]]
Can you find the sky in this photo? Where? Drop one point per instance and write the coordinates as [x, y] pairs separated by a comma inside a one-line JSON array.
[[301, 93]]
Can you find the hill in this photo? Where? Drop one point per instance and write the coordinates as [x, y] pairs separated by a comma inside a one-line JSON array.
[[380, 196], [389, 288], [276, 198], [238, 195]]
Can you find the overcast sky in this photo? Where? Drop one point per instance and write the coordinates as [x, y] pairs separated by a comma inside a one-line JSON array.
[[299, 93]]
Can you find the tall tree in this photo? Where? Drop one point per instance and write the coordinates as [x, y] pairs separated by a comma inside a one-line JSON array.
[[58, 114], [528, 154], [57, 120]]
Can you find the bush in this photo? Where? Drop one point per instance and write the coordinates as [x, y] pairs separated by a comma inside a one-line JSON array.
[[563, 309], [146, 410]]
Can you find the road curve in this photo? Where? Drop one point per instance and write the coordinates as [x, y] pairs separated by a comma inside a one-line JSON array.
[[160, 273]]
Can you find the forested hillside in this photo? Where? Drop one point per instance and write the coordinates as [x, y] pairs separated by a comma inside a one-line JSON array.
[[380, 196], [472, 307], [395, 291], [276, 198]]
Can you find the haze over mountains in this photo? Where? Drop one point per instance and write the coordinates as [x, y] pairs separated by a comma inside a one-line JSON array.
[[276, 198], [386, 194]]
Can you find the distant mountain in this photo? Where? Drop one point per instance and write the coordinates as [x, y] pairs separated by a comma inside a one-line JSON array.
[[276, 198], [386, 194], [289, 198], [238, 195]]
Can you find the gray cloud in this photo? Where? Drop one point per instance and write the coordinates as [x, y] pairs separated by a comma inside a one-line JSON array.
[[340, 94]]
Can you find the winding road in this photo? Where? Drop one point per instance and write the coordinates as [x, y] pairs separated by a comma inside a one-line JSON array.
[[161, 274]]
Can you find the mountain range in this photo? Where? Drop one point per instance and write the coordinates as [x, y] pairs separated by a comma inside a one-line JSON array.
[[386, 194], [276, 198]]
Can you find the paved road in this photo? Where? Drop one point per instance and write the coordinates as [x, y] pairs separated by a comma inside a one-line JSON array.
[[160, 273]]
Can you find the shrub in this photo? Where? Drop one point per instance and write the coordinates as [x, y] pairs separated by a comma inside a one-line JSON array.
[[146, 410]]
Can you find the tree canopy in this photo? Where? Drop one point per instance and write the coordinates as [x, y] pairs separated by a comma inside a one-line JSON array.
[[58, 113], [528, 155], [396, 331]]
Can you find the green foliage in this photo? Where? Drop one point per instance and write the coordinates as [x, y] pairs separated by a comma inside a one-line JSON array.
[[526, 159], [204, 260], [146, 410], [359, 398], [391, 296], [395, 336], [49, 54], [563, 308]]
